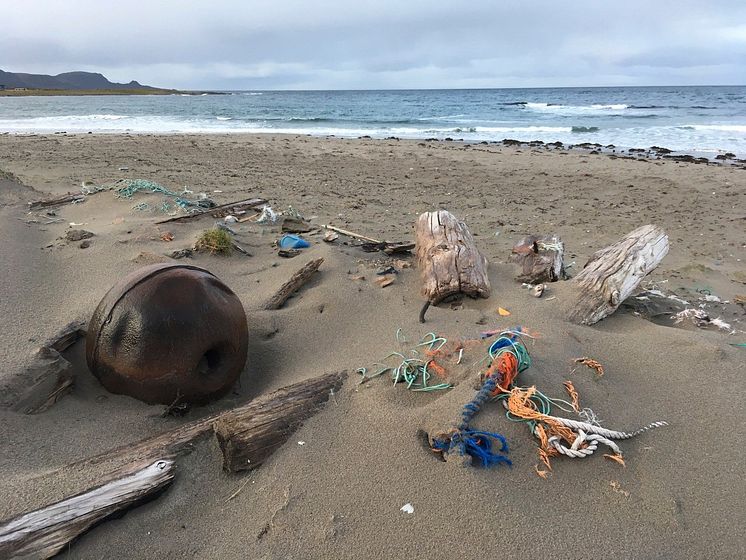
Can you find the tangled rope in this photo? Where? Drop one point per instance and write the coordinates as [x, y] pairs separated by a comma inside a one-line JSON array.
[[509, 357], [563, 436], [127, 188], [415, 371], [556, 435]]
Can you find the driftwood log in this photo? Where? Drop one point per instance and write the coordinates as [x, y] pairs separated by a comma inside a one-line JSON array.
[[146, 467], [250, 435], [56, 201], [540, 259], [448, 259], [351, 234], [49, 376], [220, 211], [46, 531], [291, 286], [180, 440], [613, 273]]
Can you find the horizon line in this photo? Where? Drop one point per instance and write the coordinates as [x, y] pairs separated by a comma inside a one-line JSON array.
[[454, 88]]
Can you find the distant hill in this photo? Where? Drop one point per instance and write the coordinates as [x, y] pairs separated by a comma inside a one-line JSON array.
[[66, 81]]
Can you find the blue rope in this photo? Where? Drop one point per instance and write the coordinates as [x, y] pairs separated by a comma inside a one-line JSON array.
[[476, 443]]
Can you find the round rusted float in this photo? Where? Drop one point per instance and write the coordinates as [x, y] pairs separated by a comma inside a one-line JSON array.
[[168, 333]]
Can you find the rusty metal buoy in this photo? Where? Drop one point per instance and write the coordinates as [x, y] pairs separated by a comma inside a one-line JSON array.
[[168, 333]]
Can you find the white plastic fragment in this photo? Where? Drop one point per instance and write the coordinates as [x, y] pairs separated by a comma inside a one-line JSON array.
[[268, 216], [301, 443], [407, 508]]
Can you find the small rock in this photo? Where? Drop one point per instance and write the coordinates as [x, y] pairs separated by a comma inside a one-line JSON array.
[[386, 270], [289, 253], [182, 253], [399, 263], [78, 235], [538, 290], [331, 236], [85, 244]]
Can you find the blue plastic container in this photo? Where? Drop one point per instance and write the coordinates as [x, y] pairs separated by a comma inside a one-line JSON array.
[[293, 242]]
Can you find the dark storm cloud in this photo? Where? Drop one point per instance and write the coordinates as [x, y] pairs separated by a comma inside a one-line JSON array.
[[344, 44]]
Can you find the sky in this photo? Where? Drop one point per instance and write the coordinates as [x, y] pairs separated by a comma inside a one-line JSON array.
[[386, 44]]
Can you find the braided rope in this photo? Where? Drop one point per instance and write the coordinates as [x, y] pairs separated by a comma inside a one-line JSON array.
[[591, 441], [610, 434]]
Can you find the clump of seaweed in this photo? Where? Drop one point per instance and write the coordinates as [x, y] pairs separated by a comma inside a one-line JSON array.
[[215, 241]]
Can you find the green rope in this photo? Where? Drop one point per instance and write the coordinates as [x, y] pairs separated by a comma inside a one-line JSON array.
[[411, 370], [132, 186]]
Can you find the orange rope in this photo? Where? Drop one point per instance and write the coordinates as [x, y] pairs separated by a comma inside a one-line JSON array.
[[570, 388], [521, 406], [505, 368], [591, 363]]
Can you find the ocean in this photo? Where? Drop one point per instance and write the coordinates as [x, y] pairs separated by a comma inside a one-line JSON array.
[[700, 120]]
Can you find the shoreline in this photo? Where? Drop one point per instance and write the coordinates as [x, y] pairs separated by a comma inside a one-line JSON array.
[[103, 92], [653, 153]]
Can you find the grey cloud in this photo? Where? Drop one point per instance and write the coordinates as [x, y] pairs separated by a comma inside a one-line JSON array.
[[326, 44]]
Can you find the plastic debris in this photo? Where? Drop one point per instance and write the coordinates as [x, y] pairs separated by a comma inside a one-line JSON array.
[[407, 508], [268, 216], [291, 241], [503, 312]]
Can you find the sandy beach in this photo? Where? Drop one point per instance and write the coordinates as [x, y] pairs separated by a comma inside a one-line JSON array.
[[339, 494]]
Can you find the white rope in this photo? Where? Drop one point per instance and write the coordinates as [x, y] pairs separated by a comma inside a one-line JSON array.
[[591, 435], [595, 436], [610, 434], [591, 441]]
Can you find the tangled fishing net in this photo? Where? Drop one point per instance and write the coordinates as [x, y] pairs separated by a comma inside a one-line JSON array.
[[171, 204]]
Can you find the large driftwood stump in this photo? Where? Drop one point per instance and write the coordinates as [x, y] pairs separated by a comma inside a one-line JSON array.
[[448, 259], [46, 531], [540, 259], [250, 435], [613, 273]]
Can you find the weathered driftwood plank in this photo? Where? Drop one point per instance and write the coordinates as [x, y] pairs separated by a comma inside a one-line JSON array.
[[351, 234], [219, 211], [540, 259], [291, 286], [248, 436], [44, 532], [180, 440], [448, 259], [613, 273], [147, 466], [56, 201], [49, 375]]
